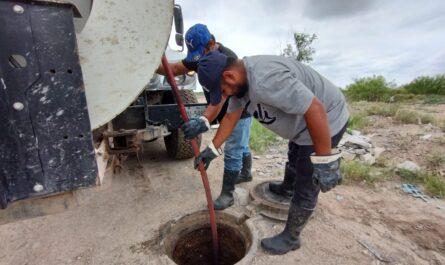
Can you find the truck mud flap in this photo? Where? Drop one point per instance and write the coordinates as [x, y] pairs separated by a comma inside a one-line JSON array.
[[45, 138]]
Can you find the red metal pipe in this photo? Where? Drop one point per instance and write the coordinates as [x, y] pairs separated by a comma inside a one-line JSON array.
[[205, 180]]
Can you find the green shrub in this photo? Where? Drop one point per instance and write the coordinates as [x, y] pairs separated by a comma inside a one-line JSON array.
[[404, 97], [427, 85], [433, 99], [374, 88], [260, 137]]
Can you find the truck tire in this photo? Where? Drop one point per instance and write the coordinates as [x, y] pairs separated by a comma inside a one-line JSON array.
[[177, 146]]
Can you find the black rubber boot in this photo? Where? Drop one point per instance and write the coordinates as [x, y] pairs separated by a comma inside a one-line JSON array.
[[3, 200], [246, 171], [225, 199], [286, 187], [289, 239]]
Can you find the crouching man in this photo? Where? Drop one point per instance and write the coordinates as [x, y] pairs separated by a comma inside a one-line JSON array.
[[297, 103]]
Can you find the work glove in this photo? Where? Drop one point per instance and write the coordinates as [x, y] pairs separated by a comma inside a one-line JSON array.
[[207, 156], [326, 171], [195, 126]]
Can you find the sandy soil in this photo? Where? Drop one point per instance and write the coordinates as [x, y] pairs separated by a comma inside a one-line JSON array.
[[119, 224]]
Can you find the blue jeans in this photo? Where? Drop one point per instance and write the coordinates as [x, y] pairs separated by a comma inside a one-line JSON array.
[[237, 146]]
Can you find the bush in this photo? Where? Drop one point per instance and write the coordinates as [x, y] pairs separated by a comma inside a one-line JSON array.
[[433, 99], [382, 109], [260, 137], [427, 85], [427, 118], [412, 117], [374, 88], [407, 117]]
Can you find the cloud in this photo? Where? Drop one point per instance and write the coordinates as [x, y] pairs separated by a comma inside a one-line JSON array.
[[397, 39], [327, 9]]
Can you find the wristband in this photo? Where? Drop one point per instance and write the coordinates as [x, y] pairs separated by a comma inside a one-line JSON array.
[[206, 121], [215, 151], [325, 159]]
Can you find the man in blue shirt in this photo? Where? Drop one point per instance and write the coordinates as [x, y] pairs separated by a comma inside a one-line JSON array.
[[237, 156]]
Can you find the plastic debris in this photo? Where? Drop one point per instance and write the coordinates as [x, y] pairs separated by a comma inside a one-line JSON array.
[[416, 193]]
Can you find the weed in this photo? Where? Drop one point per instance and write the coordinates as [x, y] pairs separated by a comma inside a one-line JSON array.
[[434, 184], [435, 160], [407, 116], [359, 171], [382, 161], [439, 140], [411, 176], [427, 118], [434, 99], [260, 137], [358, 121], [383, 109], [412, 117]]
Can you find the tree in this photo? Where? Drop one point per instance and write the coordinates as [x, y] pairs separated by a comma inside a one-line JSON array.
[[301, 49]]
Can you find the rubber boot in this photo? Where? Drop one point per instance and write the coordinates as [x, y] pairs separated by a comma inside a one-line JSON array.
[[289, 239], [286, 187], [225, 199], [246, 171]]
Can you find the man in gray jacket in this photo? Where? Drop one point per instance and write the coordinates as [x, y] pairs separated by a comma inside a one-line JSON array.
[[298, 104]]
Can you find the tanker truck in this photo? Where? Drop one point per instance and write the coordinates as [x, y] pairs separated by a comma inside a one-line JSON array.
[[77, 89]]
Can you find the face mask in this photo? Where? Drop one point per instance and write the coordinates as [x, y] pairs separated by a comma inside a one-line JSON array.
[[242, 90]]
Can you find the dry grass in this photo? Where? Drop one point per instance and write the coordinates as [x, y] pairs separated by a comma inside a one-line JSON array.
[[383, 109]]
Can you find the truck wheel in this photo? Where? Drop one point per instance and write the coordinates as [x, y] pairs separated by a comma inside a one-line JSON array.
[[177, 146]]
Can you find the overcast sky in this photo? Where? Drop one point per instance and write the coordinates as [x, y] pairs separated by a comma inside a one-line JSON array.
[[399, 39]]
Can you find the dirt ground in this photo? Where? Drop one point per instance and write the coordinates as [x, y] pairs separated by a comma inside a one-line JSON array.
[[119, 223]]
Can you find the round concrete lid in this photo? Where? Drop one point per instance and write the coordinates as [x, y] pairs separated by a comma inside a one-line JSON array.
[[268, 203]]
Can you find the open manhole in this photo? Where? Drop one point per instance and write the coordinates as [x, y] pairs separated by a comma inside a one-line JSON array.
[[268, 203], [189, 241]]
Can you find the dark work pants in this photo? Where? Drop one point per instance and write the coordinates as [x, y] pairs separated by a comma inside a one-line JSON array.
[[306, 193]]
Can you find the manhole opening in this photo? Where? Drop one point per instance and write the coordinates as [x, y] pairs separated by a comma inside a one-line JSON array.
[[189, 239], [196, 247]]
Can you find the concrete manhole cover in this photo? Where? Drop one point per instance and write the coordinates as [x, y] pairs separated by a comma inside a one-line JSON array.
[[268, 203]]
